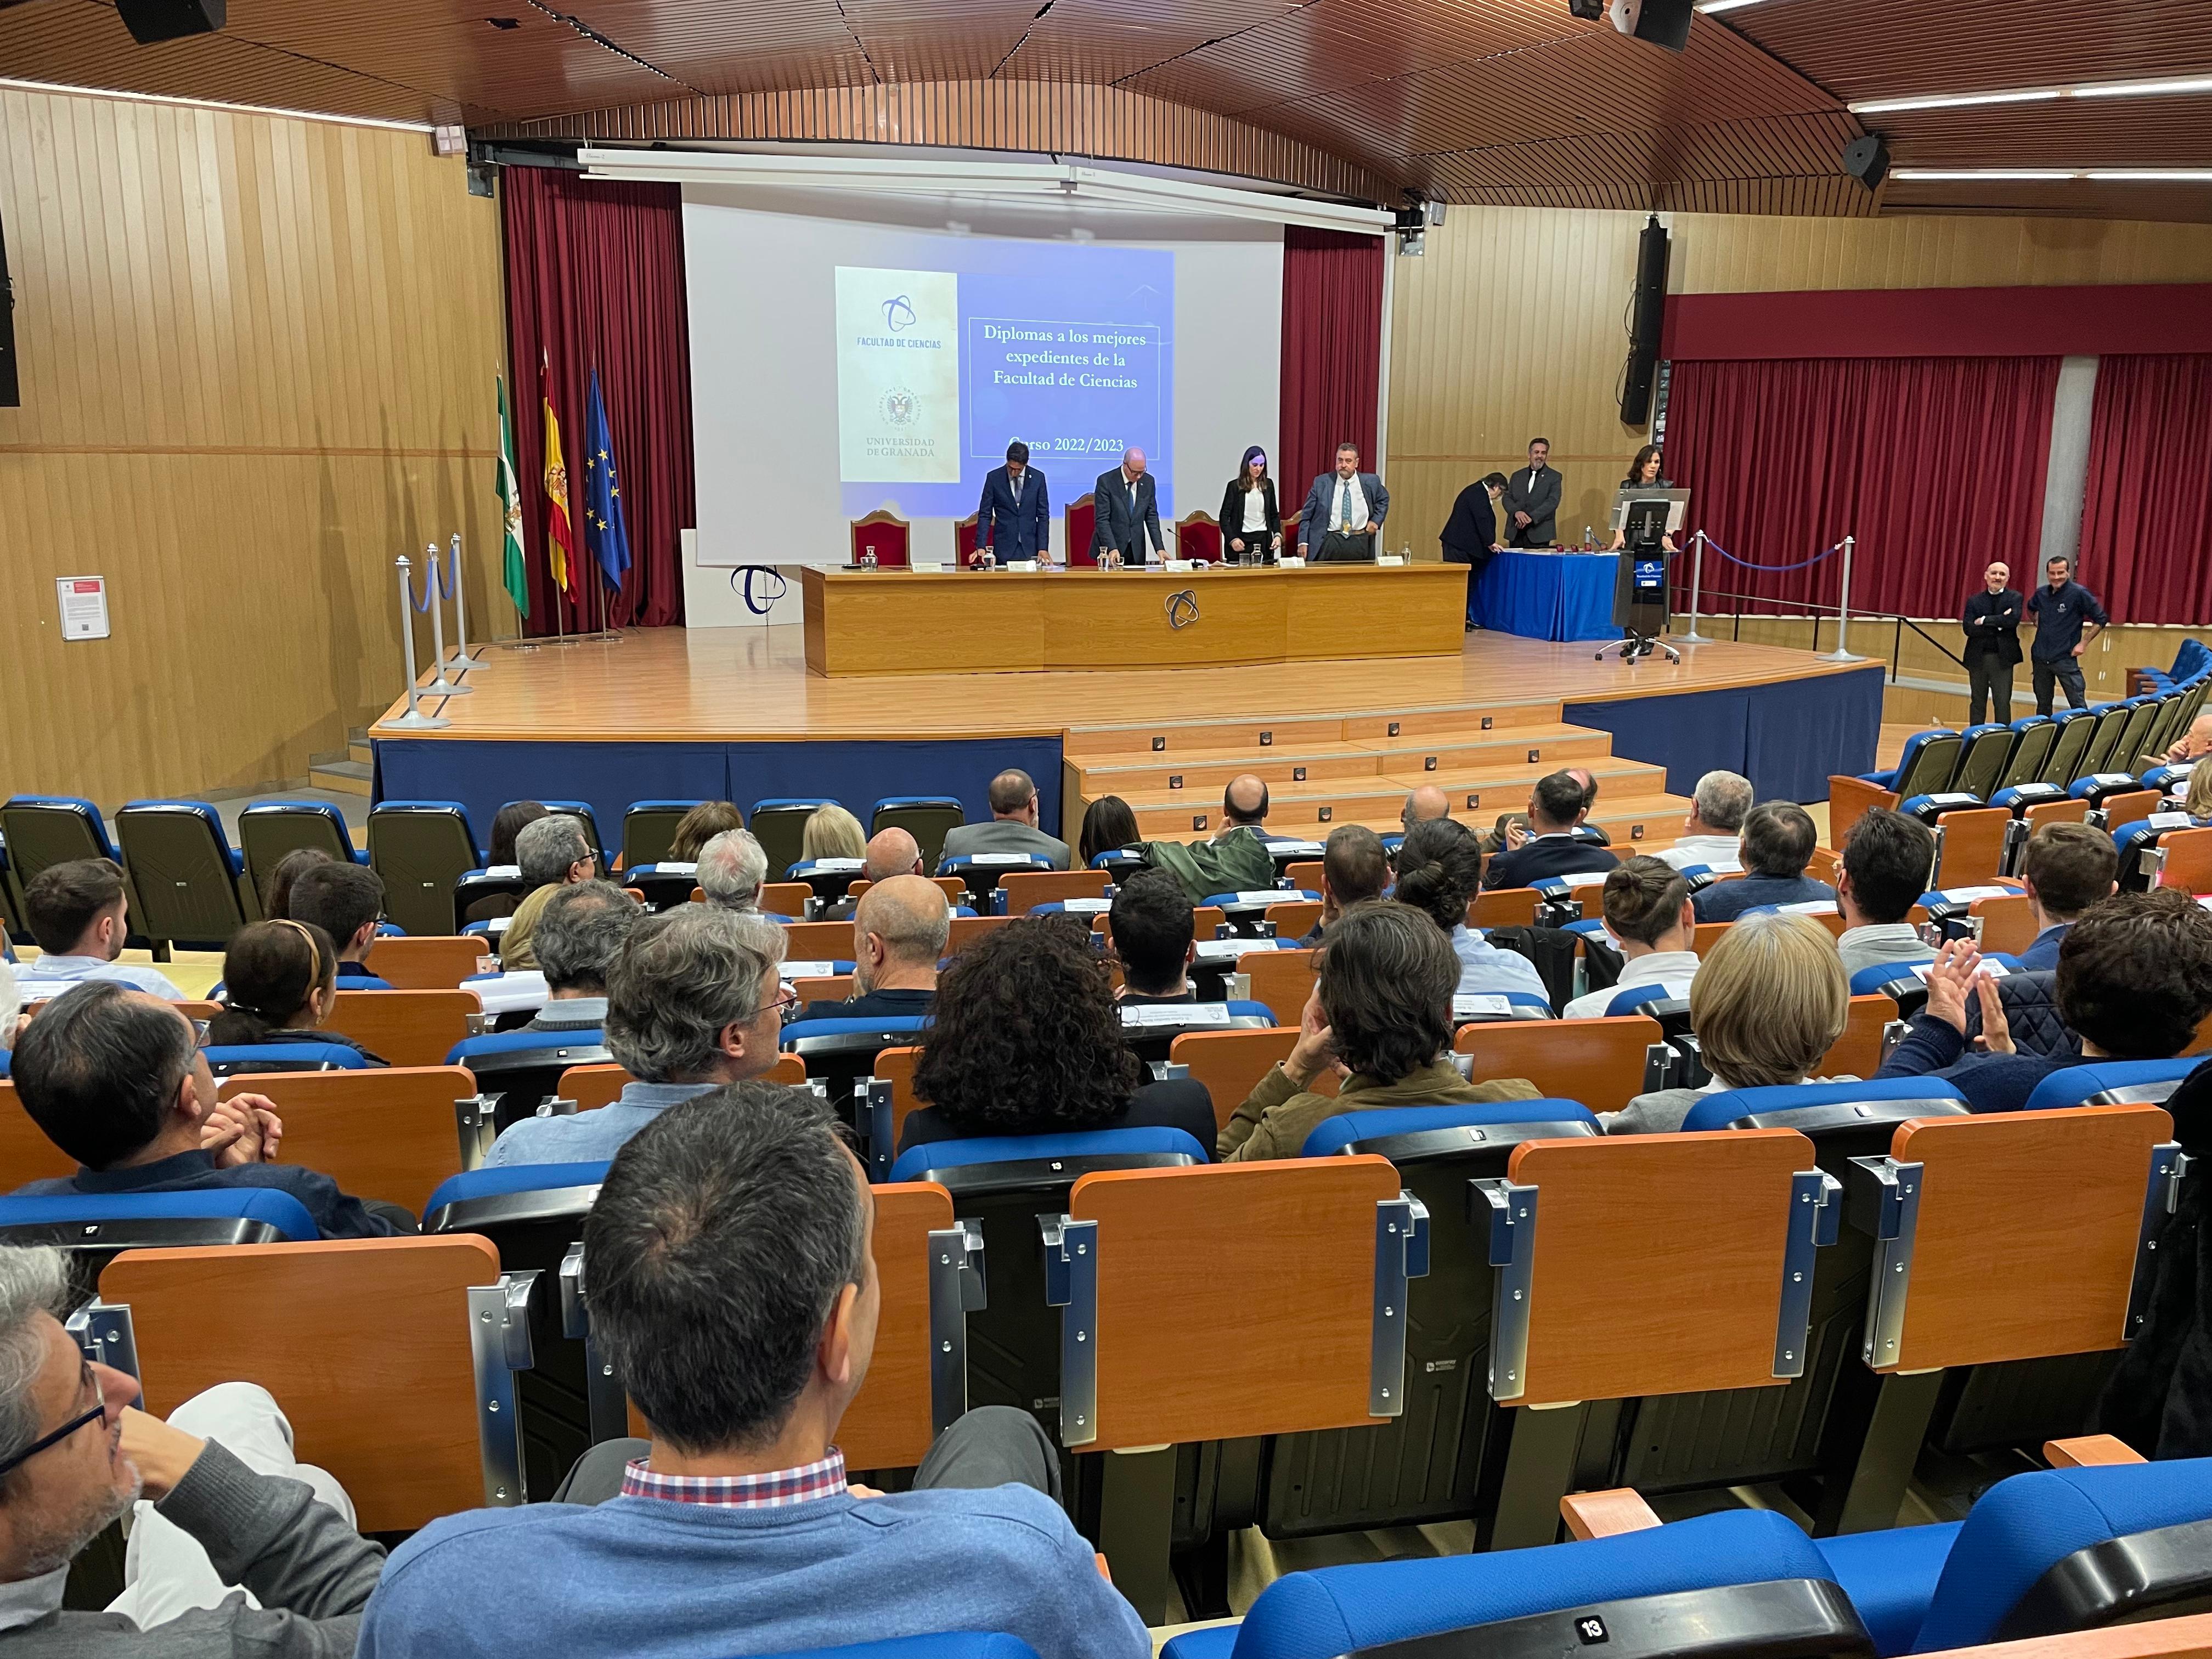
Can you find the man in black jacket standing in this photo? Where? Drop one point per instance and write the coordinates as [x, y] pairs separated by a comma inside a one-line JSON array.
[[1532, 499], [1992, 625]]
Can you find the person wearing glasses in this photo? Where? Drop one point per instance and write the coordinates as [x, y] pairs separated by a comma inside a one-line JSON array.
[[693, 1002], [221, 1504]]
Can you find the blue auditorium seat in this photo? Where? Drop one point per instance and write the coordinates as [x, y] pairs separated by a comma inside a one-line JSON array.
[[2190, 662], [284, 1057], [1909, 760], [63, 820], [1332, 1135], [1344, 1610], [277, 1210], [2102, 1082], [1628, 1001], [1870, 979], [1155, 1144], [5, 1060], [1719, 1109], [504, 1180]]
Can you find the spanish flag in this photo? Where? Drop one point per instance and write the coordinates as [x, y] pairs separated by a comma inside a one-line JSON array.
[[560, 540]]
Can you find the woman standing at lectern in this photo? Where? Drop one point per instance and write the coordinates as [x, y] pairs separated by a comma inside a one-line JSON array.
[[1251, 527], [1642, 474]]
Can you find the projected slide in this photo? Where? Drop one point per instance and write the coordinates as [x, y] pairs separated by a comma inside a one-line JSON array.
[[1070, 349]]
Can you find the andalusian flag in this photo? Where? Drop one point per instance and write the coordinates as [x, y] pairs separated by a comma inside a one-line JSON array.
[[560, 540], [510, 508]]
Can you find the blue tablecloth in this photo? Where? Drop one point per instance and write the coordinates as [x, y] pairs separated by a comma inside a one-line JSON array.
[[1548, 596]]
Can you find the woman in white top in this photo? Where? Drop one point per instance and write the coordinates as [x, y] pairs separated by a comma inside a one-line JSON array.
[[1251, 528]]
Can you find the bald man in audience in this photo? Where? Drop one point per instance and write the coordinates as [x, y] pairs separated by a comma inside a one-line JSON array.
[[2196, 743], [1427, 802], [1013, 827], [889, 853], [899, 930]]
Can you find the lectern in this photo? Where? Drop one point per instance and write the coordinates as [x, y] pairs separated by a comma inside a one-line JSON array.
[[1641, 584]]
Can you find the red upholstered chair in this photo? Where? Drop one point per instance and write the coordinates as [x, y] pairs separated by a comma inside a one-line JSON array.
[[1291, 534], [1198, 537], [886, 535], [964, 531], [1082, 525]]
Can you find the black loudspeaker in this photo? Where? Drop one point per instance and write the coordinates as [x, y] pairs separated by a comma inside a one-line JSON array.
[[1663, 22], [1867, 160], [1645, 323], [10, 394], [149, 20]]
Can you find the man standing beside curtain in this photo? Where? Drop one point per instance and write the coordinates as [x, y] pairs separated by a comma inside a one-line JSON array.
[[1992, 625], [1347, 507], [1532, 499], [2060, 609]]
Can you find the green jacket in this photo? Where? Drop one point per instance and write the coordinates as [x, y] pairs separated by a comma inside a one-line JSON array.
[[1275, 1121], [1237, 861]]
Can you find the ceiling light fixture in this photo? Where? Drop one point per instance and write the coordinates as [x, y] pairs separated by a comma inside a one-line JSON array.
[[2047, 176], [2166, 89], [1709, 7], [216, 103]]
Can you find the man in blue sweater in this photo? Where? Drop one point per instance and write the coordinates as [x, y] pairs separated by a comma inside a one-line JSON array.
[[730, 1276], [2134, 982]]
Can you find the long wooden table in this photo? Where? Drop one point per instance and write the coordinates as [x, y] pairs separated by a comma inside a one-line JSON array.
[[905, 622]]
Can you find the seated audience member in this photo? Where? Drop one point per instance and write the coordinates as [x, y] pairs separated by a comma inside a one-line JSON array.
[[1885, 865], [2067, 868], [1235, 858], [2134, 982], [731, 868], [1553, 847], [2193, 744], [1027, 1041], [203, 1523], [1712, 834], [1769, 1002], [708, 819], [1423, 803], [2196, 794], [1647, 911], [1109, 826], [693, 1002], [1439, 867], [579, 934], [276, 897], [1583, 827], [76, 910], [554, 853], [832, 832], [1013, 827], [1154, 938], [11, 1006], [899, 931], [1354, 868], [730, 1272], [1777, 845], [279, 985], [1380, 1015], [890, 852], [346, 901], [508, 823], [115, 1079]]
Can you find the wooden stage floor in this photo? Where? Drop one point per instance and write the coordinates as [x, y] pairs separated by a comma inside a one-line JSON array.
[[677, 685]]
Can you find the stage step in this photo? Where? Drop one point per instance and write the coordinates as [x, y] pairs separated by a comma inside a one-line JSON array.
[[1543, 746], [1235, 735]]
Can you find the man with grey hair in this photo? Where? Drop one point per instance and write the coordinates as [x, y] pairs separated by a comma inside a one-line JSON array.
[[1013, 824], [579, 934], [222, 1504], [899, 931], [553, 851], [1712, 834], [693, 1003], [732, 868]]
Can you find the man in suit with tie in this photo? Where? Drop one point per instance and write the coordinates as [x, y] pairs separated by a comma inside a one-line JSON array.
[[1342, 521], [1013, 519], [1127, 510], [1532, 499]]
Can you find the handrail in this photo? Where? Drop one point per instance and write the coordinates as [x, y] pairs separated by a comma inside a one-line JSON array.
[[1782, 610]]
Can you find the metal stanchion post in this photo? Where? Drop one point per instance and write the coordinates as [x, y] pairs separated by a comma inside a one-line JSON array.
[[1843, 652], [414, 720], [444, 685], [460, 659], [1697, 583]]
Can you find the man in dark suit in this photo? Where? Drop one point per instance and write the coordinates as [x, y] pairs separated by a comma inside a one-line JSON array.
[[1553, 847], [1992, 625], [1532, 499], [1013, 521], [1470, 535], [1342, 521], [1127, 511]]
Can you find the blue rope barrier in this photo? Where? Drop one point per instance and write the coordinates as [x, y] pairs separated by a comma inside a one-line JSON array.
[[429, 586], [452, 576], [1749, 565], [759, 605]]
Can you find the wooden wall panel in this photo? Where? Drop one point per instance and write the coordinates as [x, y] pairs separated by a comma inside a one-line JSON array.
[[257, 359], [1513, 323]]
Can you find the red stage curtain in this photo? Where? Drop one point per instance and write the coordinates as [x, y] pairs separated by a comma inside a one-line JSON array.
[[1936, 464], [1332, 354], [595, 279], [2147, 512]]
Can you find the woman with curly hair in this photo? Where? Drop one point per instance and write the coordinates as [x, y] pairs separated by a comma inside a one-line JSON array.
[[1027, 1041], [1439, 869]]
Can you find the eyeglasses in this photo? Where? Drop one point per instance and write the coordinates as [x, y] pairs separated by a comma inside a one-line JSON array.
[[787, 1005], [99, 1410]]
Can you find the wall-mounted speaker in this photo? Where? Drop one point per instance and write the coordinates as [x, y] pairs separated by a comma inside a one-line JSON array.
[[1662, 22], [1867, 160], [1647, 319], [149, 20]]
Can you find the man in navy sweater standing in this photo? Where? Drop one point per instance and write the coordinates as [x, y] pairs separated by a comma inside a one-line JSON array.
[[730, 1273], [2060, 608]]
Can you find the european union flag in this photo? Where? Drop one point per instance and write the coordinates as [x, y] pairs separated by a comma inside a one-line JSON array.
[[606, 534]]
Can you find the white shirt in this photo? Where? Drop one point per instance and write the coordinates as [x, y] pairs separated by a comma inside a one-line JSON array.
[[1721, 854], [49, 975], [1347, 503], [1255, 510], [1674, 969]]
